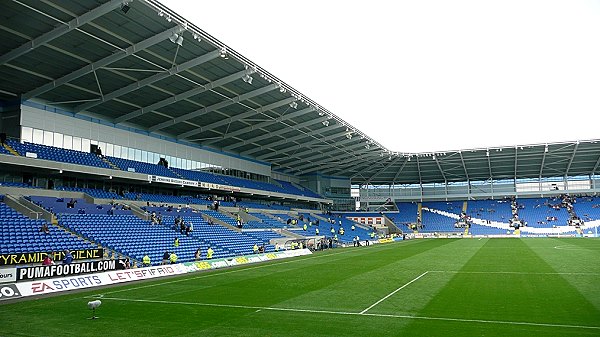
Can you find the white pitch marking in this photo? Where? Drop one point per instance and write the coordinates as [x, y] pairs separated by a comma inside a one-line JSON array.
[[510, 272], [226, 272], [347, 313], [393, 292]]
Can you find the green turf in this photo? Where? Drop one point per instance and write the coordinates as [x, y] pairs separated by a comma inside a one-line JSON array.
[[488, 287]]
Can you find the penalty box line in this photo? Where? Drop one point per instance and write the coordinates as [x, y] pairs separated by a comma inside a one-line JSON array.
[[347, 313]]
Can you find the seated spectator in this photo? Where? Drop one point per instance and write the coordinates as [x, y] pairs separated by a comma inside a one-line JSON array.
[[71, 203], [45, 229], [166, 256], [198, 254], [48, 260]]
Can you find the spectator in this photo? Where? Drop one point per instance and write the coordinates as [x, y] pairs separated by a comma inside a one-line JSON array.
[[146, 261], [173, 258], [255, 248], [165, 258], [198, 254], [47, 260], [45, 229], [68, 257], [209, 253], [176, 242]]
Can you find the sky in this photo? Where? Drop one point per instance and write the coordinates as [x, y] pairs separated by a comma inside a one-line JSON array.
[[424, 76]]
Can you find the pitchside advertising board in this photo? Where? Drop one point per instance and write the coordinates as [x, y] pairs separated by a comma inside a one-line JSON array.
[[60, 270], [38, 257], [74, 282]]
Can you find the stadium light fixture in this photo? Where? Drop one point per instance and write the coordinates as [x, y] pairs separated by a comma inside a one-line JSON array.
[[294, 105], [247, 78], [177, 39], [125, 7], [325, 123], [223, 53]]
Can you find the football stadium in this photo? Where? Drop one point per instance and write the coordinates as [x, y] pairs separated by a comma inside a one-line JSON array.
[[156, 182]]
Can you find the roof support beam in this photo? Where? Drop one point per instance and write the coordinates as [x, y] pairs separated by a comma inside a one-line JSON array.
[[276, 133], [462, 160], [596, 166], [302, 135], [182, 96], [543, 162], [261, 125], [211, 108], [336, 165], [571, 159], [243, 115], [420, 177], [296, 146], [442, 171], [149, 80], [400, 171], [516, 162], [344, 156], [60, 30], [298, 155], [330, 169], [100, 63], [387, 166]]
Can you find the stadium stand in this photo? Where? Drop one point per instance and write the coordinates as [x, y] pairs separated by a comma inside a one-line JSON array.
[[58, 154], [94, 192], [20, 234]]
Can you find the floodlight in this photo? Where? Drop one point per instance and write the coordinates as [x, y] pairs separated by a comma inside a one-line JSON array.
[[174, 37], [125, 7], [247, 78], [293, 105]]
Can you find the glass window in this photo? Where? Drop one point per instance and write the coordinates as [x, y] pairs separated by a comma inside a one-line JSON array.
[[27, 134], [58, 139], [94, 142], [48, 138], [68, 142], [117, 151], [124, 152], [38, 136], [102, 146], [109, 150], [131, 154], [144, 156], [138, 155], [85, 145], [77, 143]]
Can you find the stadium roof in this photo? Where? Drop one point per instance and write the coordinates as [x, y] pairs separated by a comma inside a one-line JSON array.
[[139, 64]]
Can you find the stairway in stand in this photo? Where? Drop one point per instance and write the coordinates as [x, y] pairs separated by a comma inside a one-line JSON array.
[[11, 150], [113, 166]]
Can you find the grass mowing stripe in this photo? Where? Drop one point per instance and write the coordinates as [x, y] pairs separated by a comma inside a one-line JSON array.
[[371, 250], [510, 285], [316, 311], [393, 292]]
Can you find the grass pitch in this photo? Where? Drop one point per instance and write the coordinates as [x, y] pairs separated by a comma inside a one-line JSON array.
[[489, 287]]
